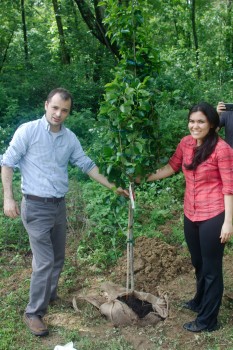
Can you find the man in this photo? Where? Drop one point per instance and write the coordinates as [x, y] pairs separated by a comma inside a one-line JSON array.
[[226, 120], [42, 149]]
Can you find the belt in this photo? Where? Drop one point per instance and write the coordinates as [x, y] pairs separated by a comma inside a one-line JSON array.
[[44, 199]]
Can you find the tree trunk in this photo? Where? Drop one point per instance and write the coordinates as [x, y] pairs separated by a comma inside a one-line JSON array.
[[130, 243], [25, 40], [75, 12], [95, 24], [5, 52], [193, 19], [229, 34], [65, 57]]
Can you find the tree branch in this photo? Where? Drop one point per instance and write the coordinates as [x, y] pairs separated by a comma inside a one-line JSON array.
[[94, 21]]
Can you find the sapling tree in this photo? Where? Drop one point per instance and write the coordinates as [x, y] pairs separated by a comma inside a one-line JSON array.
[[127, 112]]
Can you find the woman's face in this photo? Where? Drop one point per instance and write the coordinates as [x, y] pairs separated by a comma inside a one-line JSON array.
[[198, 126]]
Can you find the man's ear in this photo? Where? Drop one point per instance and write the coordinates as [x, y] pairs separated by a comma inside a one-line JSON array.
[[46, 105]]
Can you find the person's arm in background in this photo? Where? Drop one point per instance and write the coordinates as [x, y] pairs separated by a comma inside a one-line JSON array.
[[11, 208], [221, 108], [227, 228], [95, 175]]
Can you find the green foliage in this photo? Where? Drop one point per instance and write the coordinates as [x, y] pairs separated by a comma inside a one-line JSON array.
[[5, 137], [98, 218], [160, 33], [24, 85], [80, 123], [104, 237], [11, 319], [156, 204], [172, 127], [129, 25], [12, 233], [107, 221], [130, 140], [128, 109], [160, 216]]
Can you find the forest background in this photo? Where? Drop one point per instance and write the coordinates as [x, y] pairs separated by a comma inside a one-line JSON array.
[[134, 68]]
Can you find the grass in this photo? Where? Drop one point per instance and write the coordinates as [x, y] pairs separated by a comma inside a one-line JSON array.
[[14, 288]]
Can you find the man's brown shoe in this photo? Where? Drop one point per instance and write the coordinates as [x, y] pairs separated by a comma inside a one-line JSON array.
[[36, 325]]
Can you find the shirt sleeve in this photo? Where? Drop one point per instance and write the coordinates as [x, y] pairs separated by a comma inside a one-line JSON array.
[[177, 158], [16, 149], [225, 165], [222, 120], [79, 158]]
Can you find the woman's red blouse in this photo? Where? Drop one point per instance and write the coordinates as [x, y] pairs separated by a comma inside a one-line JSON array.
[[207, 185]]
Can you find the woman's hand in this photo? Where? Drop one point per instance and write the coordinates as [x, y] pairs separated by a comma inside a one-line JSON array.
[[226, 232]]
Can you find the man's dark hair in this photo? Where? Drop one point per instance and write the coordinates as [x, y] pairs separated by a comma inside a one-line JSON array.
[[202, 152], [65, 95]]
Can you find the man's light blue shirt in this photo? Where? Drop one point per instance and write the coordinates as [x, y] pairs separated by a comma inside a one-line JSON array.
[[43, 158]]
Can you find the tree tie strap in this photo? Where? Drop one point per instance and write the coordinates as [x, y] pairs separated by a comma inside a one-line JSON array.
[[131, 241]]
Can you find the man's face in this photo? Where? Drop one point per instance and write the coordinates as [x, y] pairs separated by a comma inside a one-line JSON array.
[[57, 110]]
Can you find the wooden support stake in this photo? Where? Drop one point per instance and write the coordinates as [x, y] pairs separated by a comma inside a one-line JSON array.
[[130, 243]]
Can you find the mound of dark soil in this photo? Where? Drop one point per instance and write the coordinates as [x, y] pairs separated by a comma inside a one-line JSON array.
[[155, 263]]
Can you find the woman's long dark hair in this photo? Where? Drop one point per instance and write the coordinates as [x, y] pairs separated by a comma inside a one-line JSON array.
[[202, 152]]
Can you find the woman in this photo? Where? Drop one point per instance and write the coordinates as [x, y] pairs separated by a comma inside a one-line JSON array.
[[207, 164]]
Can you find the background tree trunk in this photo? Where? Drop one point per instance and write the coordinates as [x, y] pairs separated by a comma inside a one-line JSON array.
[[229, 33], [4, 56], [195, 38], [95, 24], [25, 40], [65, 57]]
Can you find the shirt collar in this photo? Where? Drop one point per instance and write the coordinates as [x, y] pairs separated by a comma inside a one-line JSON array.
[[47, 126], [191, 141]]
